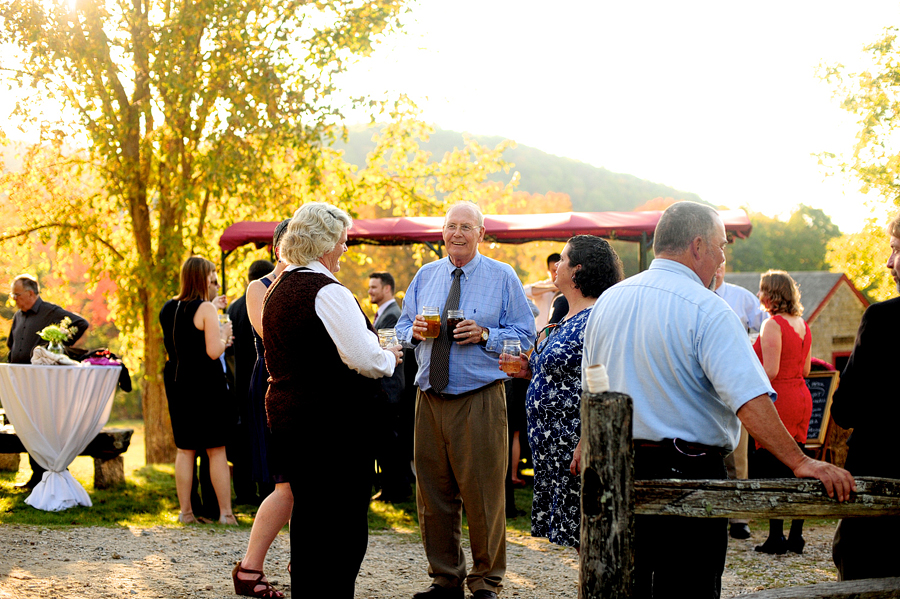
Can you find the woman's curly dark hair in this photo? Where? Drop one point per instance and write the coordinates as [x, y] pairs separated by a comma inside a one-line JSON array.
[[600, 265], [782, 292]]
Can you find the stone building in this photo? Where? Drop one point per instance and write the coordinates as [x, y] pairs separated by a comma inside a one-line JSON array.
[[832, 307]]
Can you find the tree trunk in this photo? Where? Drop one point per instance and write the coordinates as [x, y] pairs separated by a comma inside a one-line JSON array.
[[159, 442]]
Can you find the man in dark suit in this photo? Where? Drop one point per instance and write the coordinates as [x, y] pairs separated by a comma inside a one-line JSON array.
[[395, 471], [381, 294], [866, 401], [33, 315]]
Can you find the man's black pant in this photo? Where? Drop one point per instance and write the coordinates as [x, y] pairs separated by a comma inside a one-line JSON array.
[[674, 556]]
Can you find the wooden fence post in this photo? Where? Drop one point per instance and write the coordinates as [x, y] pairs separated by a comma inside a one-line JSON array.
[[607, 497]]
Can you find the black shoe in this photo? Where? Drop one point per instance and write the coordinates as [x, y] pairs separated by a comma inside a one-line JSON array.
[[739, 531], [773, 546], [796, 544], [484, 594], [29, 484], [436, 591]]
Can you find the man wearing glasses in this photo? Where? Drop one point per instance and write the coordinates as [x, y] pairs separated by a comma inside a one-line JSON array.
[[461, 449], [33, 315]]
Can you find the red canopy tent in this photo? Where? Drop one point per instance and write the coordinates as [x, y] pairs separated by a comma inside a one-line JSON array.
[[513, 228]]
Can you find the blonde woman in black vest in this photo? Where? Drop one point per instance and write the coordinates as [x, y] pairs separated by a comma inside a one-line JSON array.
[[324, 364]]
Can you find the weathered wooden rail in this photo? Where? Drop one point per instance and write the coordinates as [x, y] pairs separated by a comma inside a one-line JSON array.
[[610, 499], [765, 498]]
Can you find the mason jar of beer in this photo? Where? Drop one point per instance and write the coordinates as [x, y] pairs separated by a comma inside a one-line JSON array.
[[509, 356], [432, 316]]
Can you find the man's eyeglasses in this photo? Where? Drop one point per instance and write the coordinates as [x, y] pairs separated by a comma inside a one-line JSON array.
[[463, 228], [547, 330]]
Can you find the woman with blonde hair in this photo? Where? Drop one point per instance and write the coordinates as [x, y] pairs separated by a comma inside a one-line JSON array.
[[324, 363], [195, 384], [784, 348]]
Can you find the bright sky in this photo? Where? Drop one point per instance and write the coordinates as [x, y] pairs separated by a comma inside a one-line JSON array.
[[717, 98], [713, 97]]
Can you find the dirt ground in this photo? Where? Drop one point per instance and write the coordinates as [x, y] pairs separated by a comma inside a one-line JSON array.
[[196, 561]]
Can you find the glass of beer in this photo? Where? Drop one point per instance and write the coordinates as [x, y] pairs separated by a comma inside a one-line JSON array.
[[432, 317], [509, 356], [387, 337], [454, 317]]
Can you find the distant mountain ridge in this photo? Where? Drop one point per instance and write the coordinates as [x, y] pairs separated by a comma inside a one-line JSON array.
[[591, 188]]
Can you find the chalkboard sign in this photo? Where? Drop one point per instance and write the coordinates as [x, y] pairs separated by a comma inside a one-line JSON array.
[[821, 386]]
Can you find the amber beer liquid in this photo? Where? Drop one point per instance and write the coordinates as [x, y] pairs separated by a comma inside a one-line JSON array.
[[509, 357], [433, 322], [510, 364]]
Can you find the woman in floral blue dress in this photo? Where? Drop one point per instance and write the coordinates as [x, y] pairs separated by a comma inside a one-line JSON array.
[[588, 267]]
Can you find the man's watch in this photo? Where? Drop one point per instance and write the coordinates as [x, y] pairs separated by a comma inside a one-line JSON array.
[[484, 336]]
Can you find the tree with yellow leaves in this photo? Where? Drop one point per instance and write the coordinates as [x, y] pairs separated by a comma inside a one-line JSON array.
[[177, 119]]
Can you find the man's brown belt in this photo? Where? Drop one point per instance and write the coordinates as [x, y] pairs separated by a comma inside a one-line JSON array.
[[451, 397]]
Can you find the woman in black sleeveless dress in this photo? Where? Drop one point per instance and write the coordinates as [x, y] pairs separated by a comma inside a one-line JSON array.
[[195, 384]]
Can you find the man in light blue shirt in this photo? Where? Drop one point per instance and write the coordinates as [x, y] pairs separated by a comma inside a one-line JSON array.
[[682, 355], [460, 428]]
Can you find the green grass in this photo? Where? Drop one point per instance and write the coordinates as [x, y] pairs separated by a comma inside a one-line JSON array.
[[403, 517], [148, 498]]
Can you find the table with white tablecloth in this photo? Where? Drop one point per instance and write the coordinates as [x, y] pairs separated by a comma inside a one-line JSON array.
[[57, 411]]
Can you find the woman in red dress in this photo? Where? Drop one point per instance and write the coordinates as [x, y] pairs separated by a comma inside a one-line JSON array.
[[783, 347]]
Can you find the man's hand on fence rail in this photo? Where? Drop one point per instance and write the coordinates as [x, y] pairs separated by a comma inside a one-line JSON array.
[[763, 422], [838, 482]]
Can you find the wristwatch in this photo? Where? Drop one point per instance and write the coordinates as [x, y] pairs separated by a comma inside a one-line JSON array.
[[484, 336]]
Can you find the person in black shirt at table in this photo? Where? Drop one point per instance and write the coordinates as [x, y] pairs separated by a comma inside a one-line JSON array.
[[33, 315]]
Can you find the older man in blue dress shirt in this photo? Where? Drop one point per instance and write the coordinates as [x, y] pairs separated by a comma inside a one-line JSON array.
[[682, 355], [461, 438]]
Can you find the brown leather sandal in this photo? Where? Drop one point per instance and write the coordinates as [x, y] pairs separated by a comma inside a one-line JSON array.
[[247, 586]]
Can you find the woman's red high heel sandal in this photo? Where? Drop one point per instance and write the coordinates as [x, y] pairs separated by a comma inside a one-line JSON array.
[[247, 587]]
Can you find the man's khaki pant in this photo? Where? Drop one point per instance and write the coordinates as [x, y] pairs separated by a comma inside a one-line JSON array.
[[461, 457]]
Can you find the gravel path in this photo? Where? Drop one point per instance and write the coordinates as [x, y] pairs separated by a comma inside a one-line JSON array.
[[196, 562]]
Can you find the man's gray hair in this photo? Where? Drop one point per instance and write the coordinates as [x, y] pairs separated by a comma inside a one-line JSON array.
[[471, 206], [680, 224], [894, 226], [314, 230], [29, 282]]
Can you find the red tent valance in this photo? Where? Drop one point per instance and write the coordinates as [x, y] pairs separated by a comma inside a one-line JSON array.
[[513, 228]]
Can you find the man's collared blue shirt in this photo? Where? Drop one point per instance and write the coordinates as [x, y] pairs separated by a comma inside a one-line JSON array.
[[679, 351], [492, 296]]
